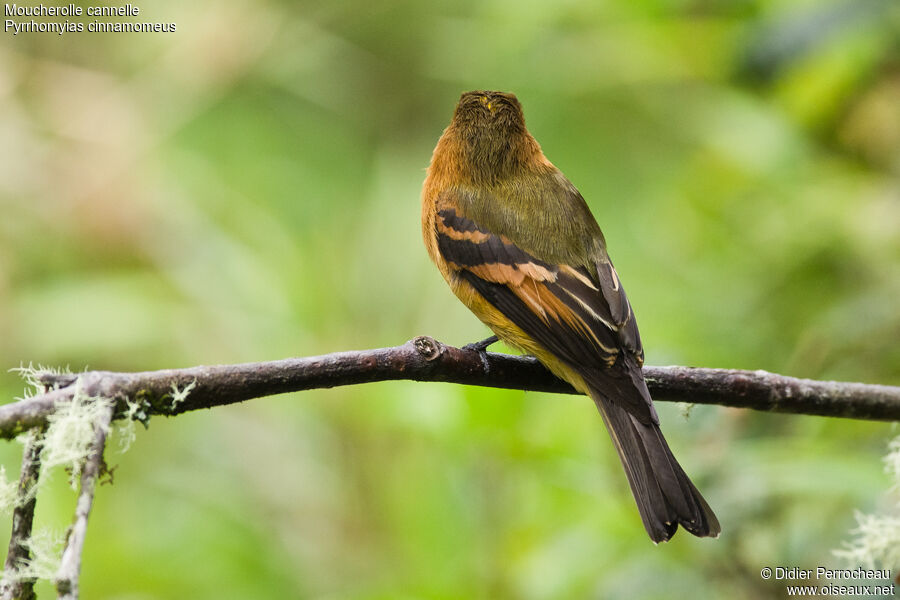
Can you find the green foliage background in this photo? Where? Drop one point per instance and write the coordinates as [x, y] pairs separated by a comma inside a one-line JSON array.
[[247, 188]]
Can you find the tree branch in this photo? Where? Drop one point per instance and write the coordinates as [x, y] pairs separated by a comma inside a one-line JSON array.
[[425, 359], [18, 588], [70, 564]]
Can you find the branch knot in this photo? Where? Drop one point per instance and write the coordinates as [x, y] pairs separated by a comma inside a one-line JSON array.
[[428, 347]]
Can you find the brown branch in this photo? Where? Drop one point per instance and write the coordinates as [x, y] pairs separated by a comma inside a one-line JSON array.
[[70, 564], [17, 588], [425, 359]]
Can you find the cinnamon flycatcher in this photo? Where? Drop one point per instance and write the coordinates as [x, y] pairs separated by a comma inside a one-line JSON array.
[[519, 246]]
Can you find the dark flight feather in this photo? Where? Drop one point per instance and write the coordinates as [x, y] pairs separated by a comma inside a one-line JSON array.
[[598, 338]]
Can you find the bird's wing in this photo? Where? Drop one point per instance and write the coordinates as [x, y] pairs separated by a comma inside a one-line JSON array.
[[580, 314]]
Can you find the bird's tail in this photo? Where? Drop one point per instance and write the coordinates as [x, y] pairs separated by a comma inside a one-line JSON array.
[[664, 494]]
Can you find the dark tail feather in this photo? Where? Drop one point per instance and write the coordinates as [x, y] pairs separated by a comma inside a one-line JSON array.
[[664, 494]]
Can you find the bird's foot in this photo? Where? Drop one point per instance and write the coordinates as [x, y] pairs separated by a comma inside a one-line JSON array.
[[482, 345], [481, 349]]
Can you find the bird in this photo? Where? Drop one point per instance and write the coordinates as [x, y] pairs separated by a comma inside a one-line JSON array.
[[519, 246]]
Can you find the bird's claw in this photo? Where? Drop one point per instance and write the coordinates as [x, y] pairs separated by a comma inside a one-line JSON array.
[[481, 349], [482, 345]]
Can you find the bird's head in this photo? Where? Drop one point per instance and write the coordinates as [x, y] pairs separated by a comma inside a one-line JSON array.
[[488, 137], [487, 113]]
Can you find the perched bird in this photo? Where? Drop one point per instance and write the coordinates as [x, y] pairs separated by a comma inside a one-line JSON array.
[[519, 246]]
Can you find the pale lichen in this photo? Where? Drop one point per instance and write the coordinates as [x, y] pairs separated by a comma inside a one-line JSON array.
[[179, 396], [33, 376], [124, 429], [9, 491], [877, 537], [892, 461], [70, 431], [66, 442], [45, 548], [877, 542], [685, 408]]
